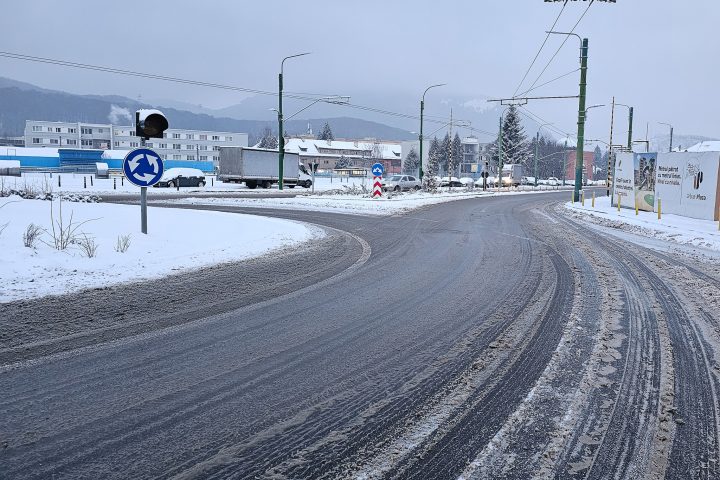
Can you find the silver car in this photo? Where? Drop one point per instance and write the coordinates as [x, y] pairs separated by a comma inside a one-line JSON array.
[[397, 183]]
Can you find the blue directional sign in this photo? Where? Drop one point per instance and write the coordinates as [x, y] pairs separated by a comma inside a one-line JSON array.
[[143, 167], [377, 170]]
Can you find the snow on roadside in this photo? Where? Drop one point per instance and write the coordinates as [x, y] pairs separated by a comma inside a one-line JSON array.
[[683, 230], [178, 240], [350, 204]]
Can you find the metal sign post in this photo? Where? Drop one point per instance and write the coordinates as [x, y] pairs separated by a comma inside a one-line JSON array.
[[143, 167]]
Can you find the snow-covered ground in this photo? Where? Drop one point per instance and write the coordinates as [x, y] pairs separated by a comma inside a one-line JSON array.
[[683, 230], [79, 183], [177, 240]]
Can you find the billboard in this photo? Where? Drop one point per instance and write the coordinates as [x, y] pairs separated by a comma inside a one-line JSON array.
[[624, 180], [687, 183], [644, 181]]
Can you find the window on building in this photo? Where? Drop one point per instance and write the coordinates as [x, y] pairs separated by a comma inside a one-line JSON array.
[[189, 147], [101, 130], [163, 145], [87, 143], [189, 136], [72, 130], [86, 131], [216, 137], [177, 146], [117, 144], [71, 142], [176, 135], [149, 145], [134, 144], [163, 156], [191, 157], [58, 130], [203, 136], [203, 147], [216, 148], [177, 157], [37, 128], [36, 140], [203, 157], [53, 141], [228, 139], [164, 135]]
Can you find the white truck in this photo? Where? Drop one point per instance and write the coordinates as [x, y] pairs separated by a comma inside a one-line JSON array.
[[259, 167], [512, 174]]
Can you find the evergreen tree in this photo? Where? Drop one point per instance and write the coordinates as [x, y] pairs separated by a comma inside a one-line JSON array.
[[326, 133], [433, 166], [444, 153], [412, 162], [456, 157], [268, 140], [343, 162], [515, 146]]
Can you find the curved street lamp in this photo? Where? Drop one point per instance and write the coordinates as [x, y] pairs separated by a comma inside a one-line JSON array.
[[281, 136], [422, 108]]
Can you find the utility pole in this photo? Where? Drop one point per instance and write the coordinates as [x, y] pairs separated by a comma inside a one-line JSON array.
[[581, 120], [610, 153], [671, 133], [537, 140], [450, 155], [500, 154], [564, 171], [630, 125]]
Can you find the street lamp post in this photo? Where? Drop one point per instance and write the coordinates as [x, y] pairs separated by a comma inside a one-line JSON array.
[[281, 136], [581, 112], [422, 109], [671, 133]]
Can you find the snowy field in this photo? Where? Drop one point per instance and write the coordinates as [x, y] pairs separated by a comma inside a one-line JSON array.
[[79, 183], [683, 230], [178, 240]]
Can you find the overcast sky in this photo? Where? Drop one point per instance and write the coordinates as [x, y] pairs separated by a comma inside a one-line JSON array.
[[659, 55]]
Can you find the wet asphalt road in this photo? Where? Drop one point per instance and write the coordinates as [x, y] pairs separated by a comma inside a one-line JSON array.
[[492, 338]]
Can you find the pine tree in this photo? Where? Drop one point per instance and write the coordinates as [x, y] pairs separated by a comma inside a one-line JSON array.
[[268, 140], [433, 166], [343, 162], [326, 133], [457, 156], [444, 153], [515, 146], [412, 162]]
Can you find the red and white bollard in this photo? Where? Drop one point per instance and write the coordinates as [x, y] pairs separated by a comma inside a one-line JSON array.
[[377, 187]]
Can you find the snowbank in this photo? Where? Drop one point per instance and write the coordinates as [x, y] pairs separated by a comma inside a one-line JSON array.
[[684, 230], [178, 240]]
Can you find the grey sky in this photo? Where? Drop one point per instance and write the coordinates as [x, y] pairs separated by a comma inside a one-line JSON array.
[[659, 55]]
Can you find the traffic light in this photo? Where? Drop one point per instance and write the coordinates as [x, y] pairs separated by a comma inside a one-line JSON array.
[[150, 123]]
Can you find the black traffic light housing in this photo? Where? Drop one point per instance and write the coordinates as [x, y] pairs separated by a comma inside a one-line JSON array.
[[150, 123]]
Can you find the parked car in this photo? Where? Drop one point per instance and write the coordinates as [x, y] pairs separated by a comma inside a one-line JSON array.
[[398, 183], [183, 177], [467, 181], [553, 181], [450, 181]]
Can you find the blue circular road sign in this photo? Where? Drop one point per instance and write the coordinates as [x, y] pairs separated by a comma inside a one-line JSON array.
[[143, 167], [377, 170]]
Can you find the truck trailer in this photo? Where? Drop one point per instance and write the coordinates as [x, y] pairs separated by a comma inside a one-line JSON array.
[[259, 167]]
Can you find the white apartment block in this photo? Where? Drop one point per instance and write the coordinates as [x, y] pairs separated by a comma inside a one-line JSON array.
[[177, 144]]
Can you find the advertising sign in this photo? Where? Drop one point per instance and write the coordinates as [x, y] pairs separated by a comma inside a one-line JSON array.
[[624, 184], [644, 178], [687, 183]]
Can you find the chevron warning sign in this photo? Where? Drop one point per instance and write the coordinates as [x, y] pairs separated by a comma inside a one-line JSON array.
[[377, 187]]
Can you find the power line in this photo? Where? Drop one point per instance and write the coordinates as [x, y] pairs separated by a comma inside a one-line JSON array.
[[540, 50], [549, 81], [118, 71], [561, 45]]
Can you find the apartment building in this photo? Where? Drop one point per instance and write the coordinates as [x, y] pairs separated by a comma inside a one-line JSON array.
[[177, 144]]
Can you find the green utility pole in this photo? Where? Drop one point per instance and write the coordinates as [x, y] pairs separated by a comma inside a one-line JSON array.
[[581, 120], [537, 140], [281, 135], [630, 122], [500, 159], [564, 162]]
